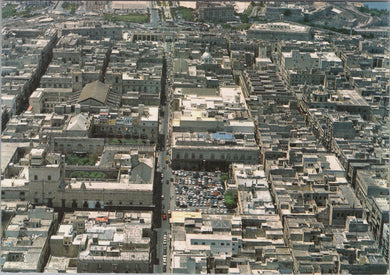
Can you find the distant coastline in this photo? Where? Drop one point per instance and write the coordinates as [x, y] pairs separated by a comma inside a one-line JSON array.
[[378, 5]]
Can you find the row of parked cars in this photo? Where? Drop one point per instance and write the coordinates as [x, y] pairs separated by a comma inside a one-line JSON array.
[[164, 258]]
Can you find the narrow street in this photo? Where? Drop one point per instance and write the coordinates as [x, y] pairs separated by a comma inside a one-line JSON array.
[[163, 247]]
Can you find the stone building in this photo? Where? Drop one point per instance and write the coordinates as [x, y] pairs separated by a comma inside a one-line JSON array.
[[25, 246], [280, 31], [215, 13], [109, 242]]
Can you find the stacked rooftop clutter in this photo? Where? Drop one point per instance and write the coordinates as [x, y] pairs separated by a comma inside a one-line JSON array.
[[211, 139]]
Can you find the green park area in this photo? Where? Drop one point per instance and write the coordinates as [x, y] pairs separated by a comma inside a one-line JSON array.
[[10, 10], [185, 13], [87, 175], [78, 160], [72, 7], [374, 12]]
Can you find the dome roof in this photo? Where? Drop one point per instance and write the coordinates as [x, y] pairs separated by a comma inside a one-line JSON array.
[[206, 56]]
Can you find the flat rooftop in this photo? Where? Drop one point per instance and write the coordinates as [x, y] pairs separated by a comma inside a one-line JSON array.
[[8, 150], [279, 27]]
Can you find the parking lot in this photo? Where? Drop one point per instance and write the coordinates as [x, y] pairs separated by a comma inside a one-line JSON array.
[[199, 192]]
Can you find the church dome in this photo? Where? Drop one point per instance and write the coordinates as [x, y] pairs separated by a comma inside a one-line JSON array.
[[206, 56]]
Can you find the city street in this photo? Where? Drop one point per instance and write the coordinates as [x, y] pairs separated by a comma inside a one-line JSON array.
[[163, 243]]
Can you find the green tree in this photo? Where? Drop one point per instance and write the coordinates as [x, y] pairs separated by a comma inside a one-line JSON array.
[[9, 10], [244, 18], [231, 198], [224, 177]]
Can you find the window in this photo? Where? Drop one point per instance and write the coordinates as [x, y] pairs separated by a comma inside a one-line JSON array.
[[35, 177], [48, 177], [212, 243]]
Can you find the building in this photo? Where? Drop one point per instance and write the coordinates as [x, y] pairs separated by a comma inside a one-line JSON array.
[[215, 13], [375, 32], [290, 13], [212, 128], [108, 242], [139, 122], [25, 246], [95, 93], [279, 31], [49, 183]]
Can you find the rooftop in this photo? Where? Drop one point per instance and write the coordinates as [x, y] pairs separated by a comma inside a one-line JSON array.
[[279, 27], [95, 90]]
